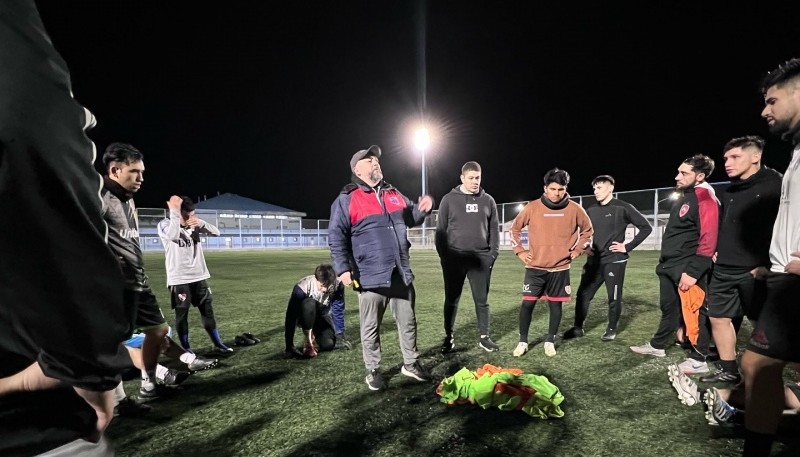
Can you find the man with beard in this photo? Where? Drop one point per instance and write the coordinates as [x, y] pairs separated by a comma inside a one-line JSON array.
[[124, 176], [558, 231], [749, 207], [608, 256], [467, 240], [775, 340], [369, 249], [687, 248]]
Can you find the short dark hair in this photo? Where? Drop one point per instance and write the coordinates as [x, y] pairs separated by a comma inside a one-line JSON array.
[[121, 153], [324, 273], [471, 166], [557, 176], [604, 178], [701, 164], [785, 72], [187, 205], [750, 141]]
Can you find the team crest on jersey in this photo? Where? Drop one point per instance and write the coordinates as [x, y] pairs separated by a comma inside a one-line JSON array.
[[684, 209], [393, 200], [568, 289], [182, 297], [472, 207]]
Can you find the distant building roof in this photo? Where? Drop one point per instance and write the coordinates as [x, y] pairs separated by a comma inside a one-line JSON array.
[[233, 202]]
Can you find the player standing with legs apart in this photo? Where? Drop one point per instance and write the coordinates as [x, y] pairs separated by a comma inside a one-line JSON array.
[[186, 269], [749, 207], [467, 240], [124, 176], [559, 230], [775, 341], [317, 306], [55, 266], [688, 244], [608, 256], [369, 249]]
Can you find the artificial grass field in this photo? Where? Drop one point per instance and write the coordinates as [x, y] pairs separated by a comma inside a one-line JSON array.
[[255, 403]]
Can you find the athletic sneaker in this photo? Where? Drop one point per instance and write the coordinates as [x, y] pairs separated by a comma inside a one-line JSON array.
[[156, 392], [292, 353], [128, 407], [374, 380], [719, 411], [449, 344], [687, 390], [549, 349], [222, 349], [415, 370], [646, 349], [692, 366], [722, 376], [574, 332], [609, 335], [174, 377], [488, 345], [521, 349], [201, 363]]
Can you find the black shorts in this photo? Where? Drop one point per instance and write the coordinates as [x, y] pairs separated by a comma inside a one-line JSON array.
[[148, 313], [546, 285], [192, 294], [776, 334], [734, 292]]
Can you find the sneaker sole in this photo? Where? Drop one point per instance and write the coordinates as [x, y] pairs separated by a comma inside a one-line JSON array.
[[371, 387], [487, 349], [411, 375], [674, 377], [655, 354], [708, 399], [207, 367], [608, 338]]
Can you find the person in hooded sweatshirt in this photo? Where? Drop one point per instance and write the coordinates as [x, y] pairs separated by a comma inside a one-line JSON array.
[[559, 230], [467, 240]]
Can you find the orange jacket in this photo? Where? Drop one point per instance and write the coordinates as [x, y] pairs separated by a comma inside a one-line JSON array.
[[691, 302]]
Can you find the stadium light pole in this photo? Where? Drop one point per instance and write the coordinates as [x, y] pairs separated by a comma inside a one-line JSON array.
[[422, 140]]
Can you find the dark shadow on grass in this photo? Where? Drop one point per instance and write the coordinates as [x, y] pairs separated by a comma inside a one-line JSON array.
[[222, 445], [191, 395]]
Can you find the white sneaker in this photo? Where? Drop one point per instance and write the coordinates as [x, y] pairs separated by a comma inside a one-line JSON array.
[[692, 366], [646, 349], [521, 349], [549, 349], [687, 390]]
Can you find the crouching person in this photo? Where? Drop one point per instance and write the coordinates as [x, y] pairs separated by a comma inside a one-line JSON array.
[[317, 306]]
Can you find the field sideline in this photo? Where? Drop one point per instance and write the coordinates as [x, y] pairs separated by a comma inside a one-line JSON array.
[[257, 404]]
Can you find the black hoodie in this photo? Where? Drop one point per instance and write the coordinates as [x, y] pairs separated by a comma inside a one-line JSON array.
[[749, 209], [468, 224]]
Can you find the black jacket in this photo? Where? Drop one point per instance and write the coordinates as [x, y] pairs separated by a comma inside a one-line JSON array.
[[690, 238], [61, 301], [119, 213], [468, 224], [610, 222], [749, 209]]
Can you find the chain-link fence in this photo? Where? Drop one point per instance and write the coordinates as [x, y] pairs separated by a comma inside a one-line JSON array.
[[259, 230]]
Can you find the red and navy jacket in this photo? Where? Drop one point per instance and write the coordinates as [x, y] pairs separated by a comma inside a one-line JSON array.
[[367, 233], [691, 233]]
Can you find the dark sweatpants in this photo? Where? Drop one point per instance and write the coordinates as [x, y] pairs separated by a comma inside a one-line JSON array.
[[593, 276], [671, 314], [457, 267]]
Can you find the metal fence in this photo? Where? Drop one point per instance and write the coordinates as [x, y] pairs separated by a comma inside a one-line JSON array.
[[263, 231]]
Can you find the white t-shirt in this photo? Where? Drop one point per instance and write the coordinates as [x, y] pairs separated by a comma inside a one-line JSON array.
[[786, 233]]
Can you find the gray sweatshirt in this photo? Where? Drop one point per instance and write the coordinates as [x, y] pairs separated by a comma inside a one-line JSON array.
[[184, 254]]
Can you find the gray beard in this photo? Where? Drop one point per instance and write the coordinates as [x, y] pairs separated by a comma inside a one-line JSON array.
[[376, 176]]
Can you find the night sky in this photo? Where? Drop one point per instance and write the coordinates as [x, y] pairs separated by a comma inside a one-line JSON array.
[[269, 100]]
